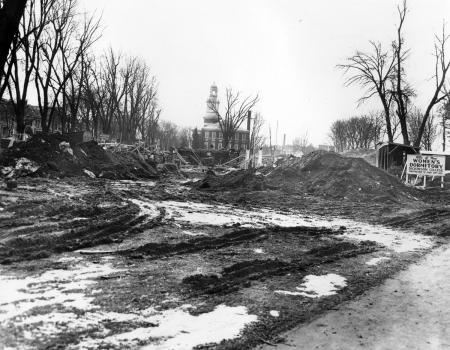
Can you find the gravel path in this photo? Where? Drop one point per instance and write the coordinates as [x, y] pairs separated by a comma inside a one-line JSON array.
[[410, 311]]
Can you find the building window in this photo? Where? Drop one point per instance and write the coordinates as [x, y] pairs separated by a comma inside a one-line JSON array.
[[219, 145], [220, 135], [236, 136], [213, 135]]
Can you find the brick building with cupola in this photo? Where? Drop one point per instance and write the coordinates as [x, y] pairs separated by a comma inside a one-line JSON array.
[[212, 134]]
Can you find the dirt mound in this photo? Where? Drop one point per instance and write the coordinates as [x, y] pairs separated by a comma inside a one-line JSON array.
[[332, 175], [55, 155], [239, 179]]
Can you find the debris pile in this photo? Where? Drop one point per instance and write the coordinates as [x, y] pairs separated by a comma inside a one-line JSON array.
[[54, 155], [332, 175], [239, 179]]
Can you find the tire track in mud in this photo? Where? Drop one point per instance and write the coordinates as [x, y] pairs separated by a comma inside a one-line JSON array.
[[431, 221], [240, 274], [102, 226], [236, 237]]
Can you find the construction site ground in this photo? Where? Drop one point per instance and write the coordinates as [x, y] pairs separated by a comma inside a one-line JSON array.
[[90, 263]]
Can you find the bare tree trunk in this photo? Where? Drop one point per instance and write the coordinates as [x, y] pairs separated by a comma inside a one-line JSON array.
[[10, 15], [400, 94]]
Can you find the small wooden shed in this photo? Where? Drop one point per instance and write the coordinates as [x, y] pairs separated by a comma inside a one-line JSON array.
[[392, 156]]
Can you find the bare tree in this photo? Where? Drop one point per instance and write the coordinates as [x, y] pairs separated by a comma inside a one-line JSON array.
[[374, 71], [357, 132], [121, 97], [65, 41], [24, 55], [11, 12], [256, 137], [384, 74], [149, 124], [430, 131], [236, 112], [444, 112], [301, 143], [338, 135], [442, 65], [402, 92], [139, 98], [197, 142], [168, 135]]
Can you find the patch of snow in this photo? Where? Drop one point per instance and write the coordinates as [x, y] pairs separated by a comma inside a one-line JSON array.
[[219, 215], [286, 292], [318, 286], [396, 240], [375, 261], [190, 233], [258, 251], [177, 329], [58, 322], [146, 208], [125, 184], [54, 287], [274, 313], [89, 173], [69, 259]]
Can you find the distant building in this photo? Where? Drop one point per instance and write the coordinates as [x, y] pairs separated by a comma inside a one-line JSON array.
[[32, 120], [212, 134]]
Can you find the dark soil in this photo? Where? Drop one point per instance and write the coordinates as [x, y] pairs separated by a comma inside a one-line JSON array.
[[235, 237], [69, 226], [334, 176], [52, 160], [239, 179], [241, 274], [320, 173]]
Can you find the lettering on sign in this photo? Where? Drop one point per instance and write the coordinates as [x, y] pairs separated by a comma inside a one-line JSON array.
[[428, 165]]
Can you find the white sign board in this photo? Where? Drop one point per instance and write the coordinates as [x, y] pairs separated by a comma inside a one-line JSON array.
[[429, 165]]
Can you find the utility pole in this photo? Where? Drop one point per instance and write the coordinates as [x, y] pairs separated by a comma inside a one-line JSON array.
[[444, 117], [276, 135]]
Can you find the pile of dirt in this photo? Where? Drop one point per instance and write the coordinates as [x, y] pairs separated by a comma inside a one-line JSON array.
[[239, 179], [55, 155], [332, 175]]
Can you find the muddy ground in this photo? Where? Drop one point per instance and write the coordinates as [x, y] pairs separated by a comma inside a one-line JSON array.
[[101, 264]]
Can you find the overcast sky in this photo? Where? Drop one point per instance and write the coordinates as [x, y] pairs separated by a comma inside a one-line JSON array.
[[284, 50]]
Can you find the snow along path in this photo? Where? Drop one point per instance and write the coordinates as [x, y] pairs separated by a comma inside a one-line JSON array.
[[409, 311]]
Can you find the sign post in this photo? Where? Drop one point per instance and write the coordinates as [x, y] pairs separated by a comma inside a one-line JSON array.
[[425, 165]]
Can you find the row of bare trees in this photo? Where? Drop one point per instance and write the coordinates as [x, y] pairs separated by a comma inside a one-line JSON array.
[[356, 132], [45, 54], [50, 57], [366, 131], [382, 73], [119, 99]]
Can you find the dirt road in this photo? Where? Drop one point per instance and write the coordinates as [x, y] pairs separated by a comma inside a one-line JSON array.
[[410, 311]]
